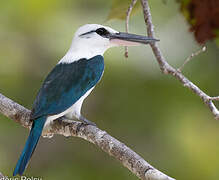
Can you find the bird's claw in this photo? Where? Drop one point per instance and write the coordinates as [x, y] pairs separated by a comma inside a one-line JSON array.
[[86, 121], [60, 119]]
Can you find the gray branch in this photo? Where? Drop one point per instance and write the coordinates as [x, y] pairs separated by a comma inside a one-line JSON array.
[[131, 160], [168, 69]]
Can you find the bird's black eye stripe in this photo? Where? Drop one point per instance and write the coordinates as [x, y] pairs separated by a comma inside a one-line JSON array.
[[102, 32], [87, 33]]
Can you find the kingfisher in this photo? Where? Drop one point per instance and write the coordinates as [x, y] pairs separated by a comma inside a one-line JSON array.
[[72, 80]]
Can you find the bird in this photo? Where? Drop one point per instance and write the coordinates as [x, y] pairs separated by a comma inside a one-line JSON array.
[[72, 80]]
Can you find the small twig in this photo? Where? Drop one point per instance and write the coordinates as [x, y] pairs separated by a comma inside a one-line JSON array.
[[203, 49], [214, 98], [128, 13]]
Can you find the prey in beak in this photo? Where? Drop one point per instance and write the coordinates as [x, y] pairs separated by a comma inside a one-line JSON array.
[[126, 39]]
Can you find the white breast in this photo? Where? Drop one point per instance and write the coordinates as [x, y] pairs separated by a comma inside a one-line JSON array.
[[73, 111]]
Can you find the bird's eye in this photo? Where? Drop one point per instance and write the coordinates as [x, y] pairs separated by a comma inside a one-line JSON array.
[[102, 32]]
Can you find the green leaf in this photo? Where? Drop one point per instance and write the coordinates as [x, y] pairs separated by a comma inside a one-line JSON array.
[[120, 7]]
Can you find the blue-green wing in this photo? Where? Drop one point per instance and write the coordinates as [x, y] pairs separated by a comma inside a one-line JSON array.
[[65, 84]]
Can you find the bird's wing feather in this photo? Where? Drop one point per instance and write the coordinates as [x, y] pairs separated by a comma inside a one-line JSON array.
[[65, 84]]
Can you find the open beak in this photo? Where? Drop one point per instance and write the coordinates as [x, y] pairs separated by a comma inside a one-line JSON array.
[[126, 39]]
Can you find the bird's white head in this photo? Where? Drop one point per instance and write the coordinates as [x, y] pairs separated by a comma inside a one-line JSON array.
[[94, 39]]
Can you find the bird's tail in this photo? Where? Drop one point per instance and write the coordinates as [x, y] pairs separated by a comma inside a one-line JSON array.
[[30, 145]]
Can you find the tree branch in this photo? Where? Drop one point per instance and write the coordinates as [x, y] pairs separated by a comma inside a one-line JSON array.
[[131, 160], [128, 13], [168, 69]]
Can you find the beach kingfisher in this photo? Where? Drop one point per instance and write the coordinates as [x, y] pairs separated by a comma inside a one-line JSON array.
[[72, 80]]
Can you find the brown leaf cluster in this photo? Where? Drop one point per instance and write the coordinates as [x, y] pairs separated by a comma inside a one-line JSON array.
[[204, 15]]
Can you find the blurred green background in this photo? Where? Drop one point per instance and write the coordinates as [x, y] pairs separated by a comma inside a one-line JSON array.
[[152, 113]]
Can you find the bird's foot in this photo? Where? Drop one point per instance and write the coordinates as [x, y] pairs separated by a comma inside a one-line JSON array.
[[60, 119], [86, 121]]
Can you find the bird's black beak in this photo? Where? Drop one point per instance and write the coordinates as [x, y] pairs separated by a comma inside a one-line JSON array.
[[126, 39]]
